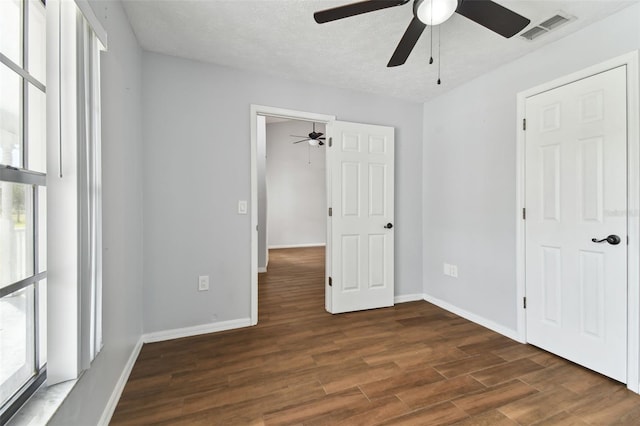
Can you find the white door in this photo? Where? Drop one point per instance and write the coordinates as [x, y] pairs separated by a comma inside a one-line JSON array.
[[360, 228], [576, 191]]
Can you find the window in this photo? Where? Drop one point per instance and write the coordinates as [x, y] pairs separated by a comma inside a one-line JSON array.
[[23, 211]]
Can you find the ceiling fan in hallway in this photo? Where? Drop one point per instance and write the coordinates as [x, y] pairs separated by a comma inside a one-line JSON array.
[[489, 14], [313, 139]]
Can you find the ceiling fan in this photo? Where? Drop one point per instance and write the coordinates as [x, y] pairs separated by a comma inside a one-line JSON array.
[[314, 138], [487, 13]]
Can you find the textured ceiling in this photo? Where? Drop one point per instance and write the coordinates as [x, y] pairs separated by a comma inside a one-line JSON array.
[[280, 37]]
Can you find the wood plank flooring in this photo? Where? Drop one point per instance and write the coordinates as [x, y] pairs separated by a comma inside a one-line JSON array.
[[413, 364]]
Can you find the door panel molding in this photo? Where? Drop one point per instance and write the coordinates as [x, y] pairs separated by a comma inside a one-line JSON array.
[[630, 61]]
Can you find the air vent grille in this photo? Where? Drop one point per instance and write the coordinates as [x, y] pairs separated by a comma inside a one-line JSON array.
[[533, 33], [554, 22], [547, 25]]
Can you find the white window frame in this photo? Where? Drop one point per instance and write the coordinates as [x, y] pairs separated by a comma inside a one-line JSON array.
[[22, 175]]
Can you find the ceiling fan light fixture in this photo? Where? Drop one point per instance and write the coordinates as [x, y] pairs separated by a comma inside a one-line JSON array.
[[313, 142], [435, 12]]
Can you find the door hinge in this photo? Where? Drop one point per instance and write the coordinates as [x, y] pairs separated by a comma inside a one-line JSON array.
[[524, 124], [330, 282], [330, 142], [330, 211], [524, 302], [524, 213]]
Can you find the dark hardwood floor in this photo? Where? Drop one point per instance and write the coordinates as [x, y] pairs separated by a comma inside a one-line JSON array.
[[412, 364]]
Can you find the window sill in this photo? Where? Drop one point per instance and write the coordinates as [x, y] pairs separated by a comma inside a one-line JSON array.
[[42, 405]]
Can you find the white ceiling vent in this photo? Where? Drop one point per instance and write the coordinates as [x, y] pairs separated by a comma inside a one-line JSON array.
[[554, 22], [533, 33], [547, 25]]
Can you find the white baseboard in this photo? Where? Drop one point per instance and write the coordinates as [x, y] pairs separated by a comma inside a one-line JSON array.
[[177, 333], [122, 381], [404, 298], [158, 337], [262, 269], [512, 334], [286, 246]]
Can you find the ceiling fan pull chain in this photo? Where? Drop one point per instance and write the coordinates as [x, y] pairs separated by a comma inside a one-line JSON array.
[[431, 49], [431, 36], [439, 55]]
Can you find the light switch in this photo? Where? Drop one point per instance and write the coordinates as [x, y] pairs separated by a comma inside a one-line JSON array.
[[242, 207]]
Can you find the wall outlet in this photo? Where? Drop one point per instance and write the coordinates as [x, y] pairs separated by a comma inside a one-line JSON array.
[[203, 283], [450, 270], [453, 271]]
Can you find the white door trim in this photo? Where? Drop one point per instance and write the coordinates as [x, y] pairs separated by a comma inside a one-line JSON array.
[[272, 112], [629, 60]]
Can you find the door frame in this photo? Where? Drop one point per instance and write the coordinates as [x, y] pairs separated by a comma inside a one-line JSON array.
[[629, 60], [255, 111]]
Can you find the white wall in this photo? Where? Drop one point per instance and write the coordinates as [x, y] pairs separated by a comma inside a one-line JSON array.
[[196, 125], [122, 220], [469, 172], [296, 186]]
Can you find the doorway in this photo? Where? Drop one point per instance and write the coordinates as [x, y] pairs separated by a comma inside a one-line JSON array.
[[578, 176], [284, 114], [291, 186], [360, 200]]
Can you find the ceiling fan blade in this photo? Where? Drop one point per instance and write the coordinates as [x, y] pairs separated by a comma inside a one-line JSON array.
[[408, 41], [354, 9], [303, 140], [322, 138], [299, 136], [493, 16]]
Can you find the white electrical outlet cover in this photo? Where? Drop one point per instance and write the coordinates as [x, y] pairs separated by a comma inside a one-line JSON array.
[[203, 283]]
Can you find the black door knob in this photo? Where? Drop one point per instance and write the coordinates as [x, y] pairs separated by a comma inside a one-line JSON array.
[[389, 225], [614, 240]]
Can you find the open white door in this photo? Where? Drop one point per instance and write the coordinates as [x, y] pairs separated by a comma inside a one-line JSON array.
[[360, 229], [576, 222]]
